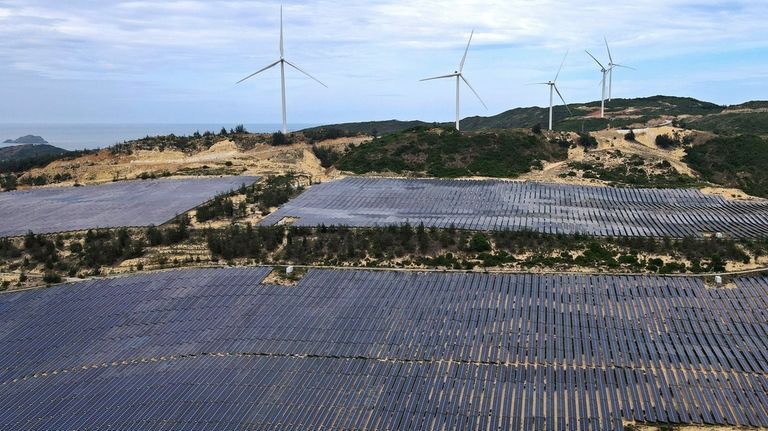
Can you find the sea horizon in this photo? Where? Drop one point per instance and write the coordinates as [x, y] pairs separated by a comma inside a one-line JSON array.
[[80, 136]]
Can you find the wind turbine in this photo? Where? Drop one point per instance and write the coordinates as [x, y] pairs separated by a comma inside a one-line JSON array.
[[553, 89], [459, 76], [282, 62], [605, 72], [611, 65]]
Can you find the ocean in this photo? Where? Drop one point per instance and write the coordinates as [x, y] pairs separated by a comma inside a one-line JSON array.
[[89, 136]]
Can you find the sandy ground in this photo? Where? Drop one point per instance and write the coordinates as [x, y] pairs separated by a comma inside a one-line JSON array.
[[261, 160], [644, 146]]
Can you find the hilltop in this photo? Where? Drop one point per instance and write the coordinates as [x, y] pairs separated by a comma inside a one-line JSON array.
[[28, 139], [749, 117], [25, 151]]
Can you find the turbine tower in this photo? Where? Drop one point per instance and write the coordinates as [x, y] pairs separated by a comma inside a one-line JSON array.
[[611, 65], [460, 77], [282, 62], [604, 71], [552, 89]]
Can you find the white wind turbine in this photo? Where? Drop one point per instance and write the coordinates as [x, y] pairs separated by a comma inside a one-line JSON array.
[[604, 71], [552, 89], [459, 76], [282, 62], [611, 65]]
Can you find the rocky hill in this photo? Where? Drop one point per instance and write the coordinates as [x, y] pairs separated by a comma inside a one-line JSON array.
[[26, 151], [749, 117], [28, 139]]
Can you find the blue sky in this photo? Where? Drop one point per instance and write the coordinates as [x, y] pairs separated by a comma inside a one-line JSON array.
[[104, 61]]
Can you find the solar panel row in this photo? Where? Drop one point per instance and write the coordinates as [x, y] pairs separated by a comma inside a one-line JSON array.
[[215, 349], [124, 203], [503, 205]]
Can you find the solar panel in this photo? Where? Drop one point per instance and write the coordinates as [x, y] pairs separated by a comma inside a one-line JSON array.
[[118, 204], [353, 349], [506, 205]]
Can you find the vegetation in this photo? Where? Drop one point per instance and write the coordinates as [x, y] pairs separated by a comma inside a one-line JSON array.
[[444, 152], [327, 156], [371, 128], [38, 161], [278, 139], [587, 141], [458, 249], [327, 132], [666, 142], [634, 171], [28, 151], [8, 182], [738, 161], [272, 192], [644, 109], [732, 123], [630, 136]]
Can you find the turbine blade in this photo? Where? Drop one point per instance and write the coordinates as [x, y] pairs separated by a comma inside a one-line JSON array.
[[259, 71], [610, 58], [439, 77], [561, 66], [626, 67], [473, 90], [564, 102], [593, 58], [282, 53], [461, 65], [538, 83], [299, 69]]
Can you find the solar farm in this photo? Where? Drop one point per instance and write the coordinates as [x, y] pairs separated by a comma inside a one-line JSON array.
[[540, 207], [353, 349], [125, 203]]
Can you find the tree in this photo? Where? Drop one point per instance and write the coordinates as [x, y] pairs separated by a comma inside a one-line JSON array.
[[479, 243], [630, 136], [223, 132], [587, 141], [240, 129]]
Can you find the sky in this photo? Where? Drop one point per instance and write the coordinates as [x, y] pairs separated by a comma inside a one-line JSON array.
[[109, 61]]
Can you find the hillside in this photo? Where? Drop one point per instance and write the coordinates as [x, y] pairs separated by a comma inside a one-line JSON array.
[[27, 151], [371, 128], [624, 112], [444, 152], [739, 161], [749, 117]]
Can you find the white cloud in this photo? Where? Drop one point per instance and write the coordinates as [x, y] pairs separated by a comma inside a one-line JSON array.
[[372, 47]]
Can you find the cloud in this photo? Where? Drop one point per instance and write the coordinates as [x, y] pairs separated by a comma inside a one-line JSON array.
[[198, 45]]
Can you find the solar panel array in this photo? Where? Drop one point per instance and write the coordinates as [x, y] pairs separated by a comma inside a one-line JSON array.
[[541, 207], [124, 203], [215, 349]]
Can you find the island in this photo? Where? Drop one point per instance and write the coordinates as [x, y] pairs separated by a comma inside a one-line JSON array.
[[28, 139]]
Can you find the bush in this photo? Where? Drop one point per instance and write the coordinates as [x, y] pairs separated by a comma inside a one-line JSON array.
[[51, 277], [479, 243], [665, 141], [630, 136], [327, 156], [536, 129], [278, 139], [8, 182], [587, 141]]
